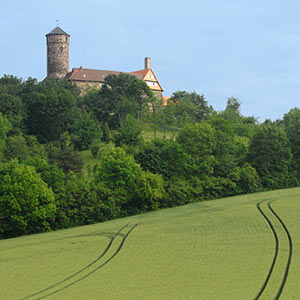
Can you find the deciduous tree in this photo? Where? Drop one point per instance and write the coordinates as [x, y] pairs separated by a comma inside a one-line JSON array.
[[27, 205]]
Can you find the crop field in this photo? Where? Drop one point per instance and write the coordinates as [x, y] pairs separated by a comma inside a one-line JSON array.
[[245, 247]]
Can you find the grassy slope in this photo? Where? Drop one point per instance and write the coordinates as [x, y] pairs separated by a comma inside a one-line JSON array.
[[220, 249]]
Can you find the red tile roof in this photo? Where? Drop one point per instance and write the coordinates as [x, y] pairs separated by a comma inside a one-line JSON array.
[[141, 72]]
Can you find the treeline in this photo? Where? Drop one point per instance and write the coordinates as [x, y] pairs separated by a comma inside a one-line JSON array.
[[45, 184]]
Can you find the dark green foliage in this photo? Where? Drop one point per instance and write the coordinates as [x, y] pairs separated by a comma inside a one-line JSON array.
[[27, 205], [5, 127], [193, 105], [106, 133], [291, 122], [95, 149], [10, 85], [49, 113], [50, 84], [13, 108], [213, 155], [84, 131], [76, 206], [181, 191], [164, 157], [129, 133], [248, 180], [225, 149], [270, 154], [119, 96], [199, 141], [66, 158]]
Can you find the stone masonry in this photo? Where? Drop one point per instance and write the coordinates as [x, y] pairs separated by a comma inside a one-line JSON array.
[[57, 54]]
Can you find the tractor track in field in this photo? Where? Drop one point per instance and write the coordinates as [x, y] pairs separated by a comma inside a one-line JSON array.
[[38, 295], [286, 273], [277, 248]]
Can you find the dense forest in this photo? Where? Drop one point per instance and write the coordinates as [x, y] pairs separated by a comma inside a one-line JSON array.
[[145, 156]]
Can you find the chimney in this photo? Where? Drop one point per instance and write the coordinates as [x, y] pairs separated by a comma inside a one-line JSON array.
[[147, 62]]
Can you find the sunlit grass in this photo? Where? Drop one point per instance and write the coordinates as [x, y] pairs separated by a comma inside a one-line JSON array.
[[220, 249]]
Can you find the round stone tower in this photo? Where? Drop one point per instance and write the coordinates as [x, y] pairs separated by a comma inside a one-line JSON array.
[[57, 53]]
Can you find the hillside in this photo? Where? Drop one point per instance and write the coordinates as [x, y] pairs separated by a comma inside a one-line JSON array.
[[244, 247]]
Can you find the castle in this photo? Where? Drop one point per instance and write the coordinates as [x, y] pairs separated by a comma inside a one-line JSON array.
[[58, 66]]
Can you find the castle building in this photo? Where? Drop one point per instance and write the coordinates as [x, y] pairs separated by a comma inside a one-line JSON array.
[[58, 66]]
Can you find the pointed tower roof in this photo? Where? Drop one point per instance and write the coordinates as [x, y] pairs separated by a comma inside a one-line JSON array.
[[57, 31]]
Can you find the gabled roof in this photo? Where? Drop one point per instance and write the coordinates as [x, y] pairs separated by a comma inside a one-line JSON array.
[[141, 72], [92, 75], [57, 31], [81, 74]]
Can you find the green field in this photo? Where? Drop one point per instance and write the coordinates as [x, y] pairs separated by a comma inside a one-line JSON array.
[[244, 247]]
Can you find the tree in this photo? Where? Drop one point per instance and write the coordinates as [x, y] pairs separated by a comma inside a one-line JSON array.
[[270, 154], [164, 157], [5, 127], [84, 131], [10, 85], [167, 118], [16, 147], [119, 96], [199, 141], [150, 192], [50, 174], [129, 133], [106, 136], [65, 158], [195, 105], [26, 203], [291, 122], [21, 147], [154, 114], [227, 146], [118, 174], [49, 113], [122, 188], [241, 125], [76, 207], [233, 105], [13, 108], [181, 191]]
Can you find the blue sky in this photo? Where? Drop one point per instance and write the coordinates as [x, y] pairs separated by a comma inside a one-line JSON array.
[[248, 49]]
